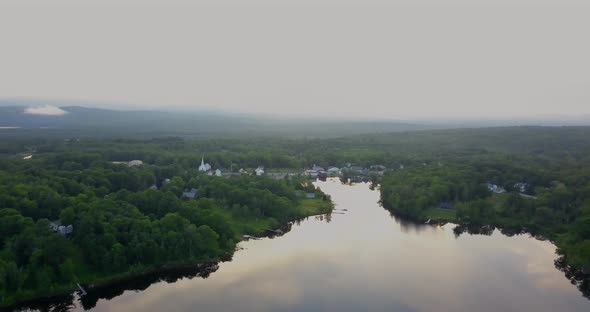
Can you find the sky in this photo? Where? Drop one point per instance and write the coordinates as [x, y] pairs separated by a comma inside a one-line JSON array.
[[421, 59]]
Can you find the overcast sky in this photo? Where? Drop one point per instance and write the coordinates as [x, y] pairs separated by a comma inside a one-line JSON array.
[[366, 59]]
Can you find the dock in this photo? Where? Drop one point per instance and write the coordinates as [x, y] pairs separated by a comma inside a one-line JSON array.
[[81, 289], [250, 237]]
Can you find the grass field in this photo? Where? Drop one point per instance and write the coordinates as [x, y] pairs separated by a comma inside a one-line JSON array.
[[315, 206]]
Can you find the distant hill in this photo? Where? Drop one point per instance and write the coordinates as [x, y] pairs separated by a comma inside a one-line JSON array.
[[84, 121], [562, 142]]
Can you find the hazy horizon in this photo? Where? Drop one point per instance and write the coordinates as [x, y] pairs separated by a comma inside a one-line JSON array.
[[53, 107], [385, 60]]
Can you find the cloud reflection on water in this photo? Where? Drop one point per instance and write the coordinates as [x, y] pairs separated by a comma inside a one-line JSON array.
[[364, 260]]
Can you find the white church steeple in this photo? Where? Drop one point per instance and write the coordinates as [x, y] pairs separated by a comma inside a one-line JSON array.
[[204, 167]]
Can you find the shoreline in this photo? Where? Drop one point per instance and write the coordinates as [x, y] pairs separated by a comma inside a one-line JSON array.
[[579, 276], [116, 279]]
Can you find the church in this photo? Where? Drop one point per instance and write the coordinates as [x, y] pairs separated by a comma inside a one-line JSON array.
[[204, 167]]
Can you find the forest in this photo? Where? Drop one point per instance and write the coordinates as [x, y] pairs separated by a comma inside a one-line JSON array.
[[126, 219], [545, 195]]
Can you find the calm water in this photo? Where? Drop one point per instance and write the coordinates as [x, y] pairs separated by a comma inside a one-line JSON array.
[[362, 259]]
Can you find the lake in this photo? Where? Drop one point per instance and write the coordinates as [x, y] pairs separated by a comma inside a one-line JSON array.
[[363, 259]]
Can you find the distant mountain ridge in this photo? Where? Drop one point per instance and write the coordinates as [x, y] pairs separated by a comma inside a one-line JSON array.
[[92, 122], [88, 121]]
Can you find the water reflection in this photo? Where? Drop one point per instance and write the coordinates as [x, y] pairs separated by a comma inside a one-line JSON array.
[[54, 304], [577, 277], [360, 259], [411, 227], [139, 284], [136, 284], [474, 230]]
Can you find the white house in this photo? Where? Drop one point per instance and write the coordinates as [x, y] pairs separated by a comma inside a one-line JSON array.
[[334, 170], [56, 226], [522, 187], [311, 173], [377, 168], [135, 163], [259, 171], [317, 168], [190, 194], [204, 167], [217, 172], [495, 188]]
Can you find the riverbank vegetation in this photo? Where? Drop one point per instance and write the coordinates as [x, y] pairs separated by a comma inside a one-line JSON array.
[[546, 197]]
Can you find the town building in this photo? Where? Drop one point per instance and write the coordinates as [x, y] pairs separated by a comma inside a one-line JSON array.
[[135, 163], [317, 168], [377, 168], [334, 171], [522, 187], [495, 188], [190, 194], [311, 173], [56, 226], [204, 167]]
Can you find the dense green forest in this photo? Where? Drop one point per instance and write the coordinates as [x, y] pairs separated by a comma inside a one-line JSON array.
[[122, 225], [553, 203], [126, 219], [556, 206]]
